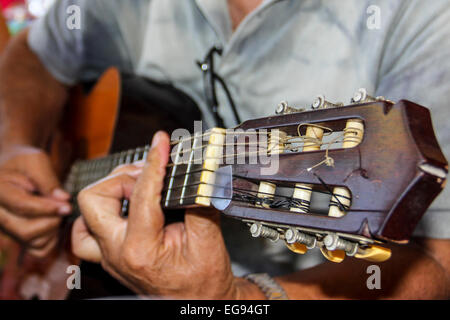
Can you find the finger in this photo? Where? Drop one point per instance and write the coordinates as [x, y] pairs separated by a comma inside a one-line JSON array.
[[46, 250], [18, 179], [131, 169], [60, 194], [27, 229], [122, 171], [15, 196], [145, 218], [84, 245], [40, 242], [40, 169], [101, 205], [35, 164]]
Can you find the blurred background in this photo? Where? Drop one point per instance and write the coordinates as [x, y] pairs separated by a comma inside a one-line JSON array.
[[19, 13]]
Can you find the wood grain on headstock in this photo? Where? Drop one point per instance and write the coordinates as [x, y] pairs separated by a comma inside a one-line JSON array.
[[390, 192]]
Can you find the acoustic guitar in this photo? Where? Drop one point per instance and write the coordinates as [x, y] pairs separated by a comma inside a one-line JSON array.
[[376, 163]]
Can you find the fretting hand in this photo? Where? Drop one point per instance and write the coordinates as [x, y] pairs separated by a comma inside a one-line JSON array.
[[180, 260]]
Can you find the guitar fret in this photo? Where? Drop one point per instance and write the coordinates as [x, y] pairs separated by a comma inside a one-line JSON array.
[[136, 155], [197, 138], [86, 172], [120, 159], [116, 161], [172, 174], [146, 150], [139, 151], [129, 156]]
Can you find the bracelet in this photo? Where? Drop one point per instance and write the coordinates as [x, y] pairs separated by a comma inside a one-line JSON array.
[[271, 289]]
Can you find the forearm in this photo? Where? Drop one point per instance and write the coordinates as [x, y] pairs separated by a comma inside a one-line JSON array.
[[411, 273], [31, 100]]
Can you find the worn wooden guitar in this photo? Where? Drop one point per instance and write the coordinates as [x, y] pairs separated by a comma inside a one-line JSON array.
[[377, 163]]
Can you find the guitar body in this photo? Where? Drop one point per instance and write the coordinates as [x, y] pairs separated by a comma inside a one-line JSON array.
[[117, 113]]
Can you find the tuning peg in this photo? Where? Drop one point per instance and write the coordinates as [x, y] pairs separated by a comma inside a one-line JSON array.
[[284, 108], [258, 230], [321, 103], [292, 236], [333, 242], [361, 96]]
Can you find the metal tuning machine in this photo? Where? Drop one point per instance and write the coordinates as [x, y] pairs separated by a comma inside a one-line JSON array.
[[321, 103], [361, 96], [284, 108]]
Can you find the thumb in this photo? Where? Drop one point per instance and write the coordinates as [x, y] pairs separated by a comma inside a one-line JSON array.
[[203, 229]]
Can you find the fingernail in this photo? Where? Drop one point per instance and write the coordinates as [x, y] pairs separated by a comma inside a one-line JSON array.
[[156, 139], [60, 194], [64, 210]]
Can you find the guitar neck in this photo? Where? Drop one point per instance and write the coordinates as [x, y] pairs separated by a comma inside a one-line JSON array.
[[86, 172], [189, 176]]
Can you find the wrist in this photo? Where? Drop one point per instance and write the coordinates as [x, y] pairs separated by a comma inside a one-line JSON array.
[[12, 134], [12, 150], [8, 143], [247, 290]]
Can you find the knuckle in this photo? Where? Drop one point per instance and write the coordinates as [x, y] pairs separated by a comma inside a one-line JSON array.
[[83, 197], [27, 234]]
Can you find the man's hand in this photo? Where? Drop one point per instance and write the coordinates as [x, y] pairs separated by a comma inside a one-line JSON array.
[[181, 260], [31, 201]]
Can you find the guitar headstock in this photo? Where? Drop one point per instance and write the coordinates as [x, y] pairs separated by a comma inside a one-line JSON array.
[[378, 162]]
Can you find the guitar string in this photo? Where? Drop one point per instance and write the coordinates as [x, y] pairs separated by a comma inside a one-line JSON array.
[[251, 192], [90, 171], [110, 161], [126, 156], [287, 141], [306, 139], [87, 176], [291, 148], [292, 201]]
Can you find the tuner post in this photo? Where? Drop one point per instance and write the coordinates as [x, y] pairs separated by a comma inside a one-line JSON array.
[[258, 230], [312, 141], [333, 242], [284, 108], [266, 190], [321, 103], [293, 235], [341, 197], [361, 96]]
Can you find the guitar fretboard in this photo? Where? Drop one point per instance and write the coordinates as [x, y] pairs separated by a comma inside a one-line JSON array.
[[85, 172], [189, 177]]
